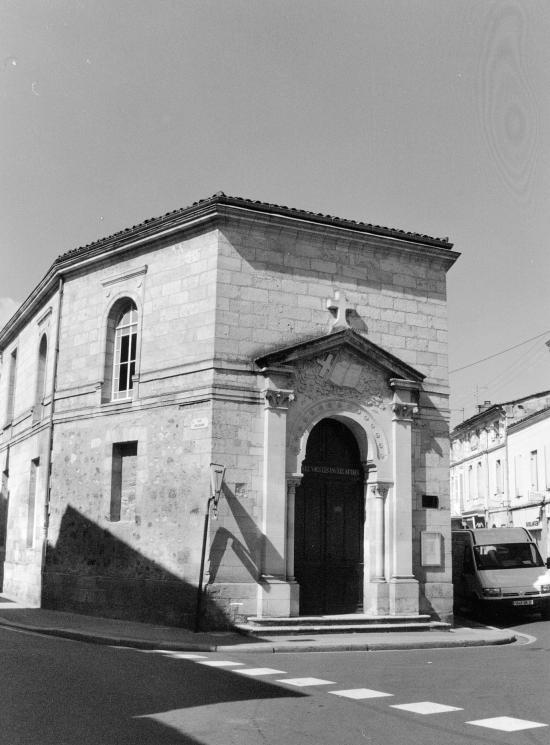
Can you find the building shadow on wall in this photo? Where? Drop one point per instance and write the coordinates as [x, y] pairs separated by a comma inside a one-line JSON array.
[[91, 571], [250, 551]]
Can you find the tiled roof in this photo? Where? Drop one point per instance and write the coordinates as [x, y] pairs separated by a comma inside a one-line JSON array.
[[168, 219], [500, 406]]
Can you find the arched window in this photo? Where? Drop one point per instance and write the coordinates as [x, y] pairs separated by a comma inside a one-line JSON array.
[[121, 351], [40, 377]]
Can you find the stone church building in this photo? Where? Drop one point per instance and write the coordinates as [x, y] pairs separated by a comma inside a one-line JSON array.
[[304, 353]]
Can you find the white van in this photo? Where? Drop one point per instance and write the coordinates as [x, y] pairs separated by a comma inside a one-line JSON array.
[[499, 569]]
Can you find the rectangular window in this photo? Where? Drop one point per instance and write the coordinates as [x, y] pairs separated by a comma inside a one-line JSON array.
[[123, 482], [480, 481], [517, 475], [534, 470], [31, 507], [498, 477], [11, 386]]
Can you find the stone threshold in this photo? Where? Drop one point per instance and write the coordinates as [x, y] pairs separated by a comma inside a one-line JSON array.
[[335, 624]]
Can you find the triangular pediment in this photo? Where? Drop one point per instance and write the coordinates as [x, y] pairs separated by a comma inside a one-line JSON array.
[[349, 340]]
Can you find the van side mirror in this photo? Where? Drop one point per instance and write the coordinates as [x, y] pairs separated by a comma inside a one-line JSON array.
[[548, 563]]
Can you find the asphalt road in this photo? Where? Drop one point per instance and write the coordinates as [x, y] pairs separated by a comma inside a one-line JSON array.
[[60, 692]]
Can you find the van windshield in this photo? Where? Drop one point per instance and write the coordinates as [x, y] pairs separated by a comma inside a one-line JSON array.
[[507, 556]]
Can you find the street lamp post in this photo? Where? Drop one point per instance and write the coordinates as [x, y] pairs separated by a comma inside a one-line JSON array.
[[216, 482]]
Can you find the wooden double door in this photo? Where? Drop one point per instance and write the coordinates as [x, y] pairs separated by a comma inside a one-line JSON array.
[[329, 523]]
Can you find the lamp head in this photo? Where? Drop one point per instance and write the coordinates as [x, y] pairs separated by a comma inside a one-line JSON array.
[[217, 473]]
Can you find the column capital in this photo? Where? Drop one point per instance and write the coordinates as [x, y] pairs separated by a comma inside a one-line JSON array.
[[294, 480], [404, 411], [405, 399], [276, 398], [378, 489]]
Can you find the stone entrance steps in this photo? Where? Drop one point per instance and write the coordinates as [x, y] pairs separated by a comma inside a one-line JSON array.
[[339, 624]]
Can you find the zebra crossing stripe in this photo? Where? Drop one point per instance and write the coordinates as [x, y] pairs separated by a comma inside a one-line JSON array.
[[507, 724], [504, 724]]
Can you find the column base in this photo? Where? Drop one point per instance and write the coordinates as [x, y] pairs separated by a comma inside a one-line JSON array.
[[403, 595], [277, 598], [376, 598]]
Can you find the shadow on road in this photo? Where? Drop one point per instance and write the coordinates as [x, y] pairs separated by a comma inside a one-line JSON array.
[[499, 621], [58, 692]]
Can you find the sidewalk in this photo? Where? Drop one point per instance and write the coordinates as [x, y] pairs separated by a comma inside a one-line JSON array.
[[108, 631]]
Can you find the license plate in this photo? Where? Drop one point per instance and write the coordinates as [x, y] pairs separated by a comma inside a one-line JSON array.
[[523, 602]]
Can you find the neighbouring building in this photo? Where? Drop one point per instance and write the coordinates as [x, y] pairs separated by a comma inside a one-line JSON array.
[[500, 467], [305, 353]]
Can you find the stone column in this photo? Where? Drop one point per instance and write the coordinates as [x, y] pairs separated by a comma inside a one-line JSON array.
[[403, 585], [275, 593], [293, 482], [377, 495], [376, 597]]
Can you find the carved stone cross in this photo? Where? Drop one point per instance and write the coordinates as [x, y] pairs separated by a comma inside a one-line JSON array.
[[326, 365], [339, 309]]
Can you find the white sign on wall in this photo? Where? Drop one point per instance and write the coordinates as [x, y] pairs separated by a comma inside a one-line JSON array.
[[199, 422], [430, 546]]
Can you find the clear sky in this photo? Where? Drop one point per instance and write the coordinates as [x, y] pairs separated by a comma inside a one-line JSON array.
[[426, 115]]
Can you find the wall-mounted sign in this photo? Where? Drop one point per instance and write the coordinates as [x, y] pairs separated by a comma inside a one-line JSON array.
[[199, 423], [430, 548], [333, 470]]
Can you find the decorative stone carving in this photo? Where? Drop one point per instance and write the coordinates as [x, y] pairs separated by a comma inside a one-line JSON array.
[[341, 373], [404, 411], [379, 489], [301, 419], [278, 399]]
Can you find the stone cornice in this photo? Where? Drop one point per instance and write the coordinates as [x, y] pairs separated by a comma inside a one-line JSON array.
[[478, 454], [212, 212], [528, 420], [363, 347]]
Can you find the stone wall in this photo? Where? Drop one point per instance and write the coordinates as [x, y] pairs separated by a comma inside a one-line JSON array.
[[273, 286], [147, 567], [208, 305]]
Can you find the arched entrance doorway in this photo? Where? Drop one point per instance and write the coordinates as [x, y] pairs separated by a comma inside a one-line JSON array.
[[329, 517]]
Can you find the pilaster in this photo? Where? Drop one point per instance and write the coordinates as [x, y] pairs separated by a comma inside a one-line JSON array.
[[403, 591], [276, 593]]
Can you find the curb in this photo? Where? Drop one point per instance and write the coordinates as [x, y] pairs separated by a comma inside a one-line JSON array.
[[374, 646], [265, 647], [94, 638]]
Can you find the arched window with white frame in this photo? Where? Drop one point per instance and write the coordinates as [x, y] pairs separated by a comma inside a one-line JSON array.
[[121, 351]]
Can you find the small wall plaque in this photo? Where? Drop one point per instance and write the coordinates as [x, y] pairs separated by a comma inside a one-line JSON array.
[[430, 546]]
